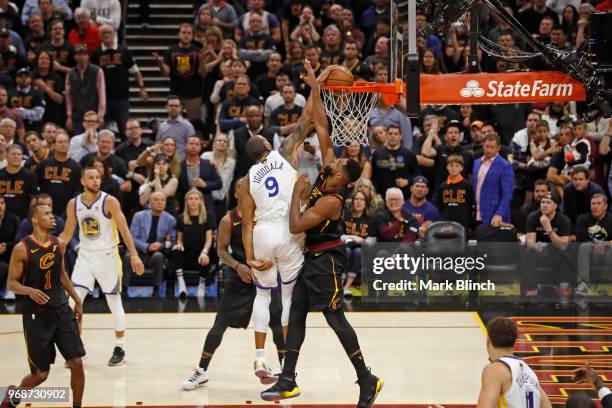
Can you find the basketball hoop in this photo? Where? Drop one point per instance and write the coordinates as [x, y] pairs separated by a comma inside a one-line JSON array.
[[349, 108]]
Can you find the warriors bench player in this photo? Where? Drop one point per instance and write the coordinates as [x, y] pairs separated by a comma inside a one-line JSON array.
[[100, 219]]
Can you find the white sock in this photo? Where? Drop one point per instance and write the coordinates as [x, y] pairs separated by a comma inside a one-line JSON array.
[[260, 353], [120, 342]]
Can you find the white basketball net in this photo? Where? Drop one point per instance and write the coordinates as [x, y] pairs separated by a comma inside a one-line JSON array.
[[349, 113]]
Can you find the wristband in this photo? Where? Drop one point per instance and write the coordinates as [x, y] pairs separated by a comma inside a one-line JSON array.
[[134, 257]]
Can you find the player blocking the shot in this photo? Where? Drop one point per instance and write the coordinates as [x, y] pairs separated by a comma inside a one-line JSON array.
[[508, 381], [100, 221], [36, 270], [320, 282], [237, 301], [271, 250]]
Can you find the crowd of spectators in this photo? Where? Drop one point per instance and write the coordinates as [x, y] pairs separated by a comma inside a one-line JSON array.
[[234, 72]]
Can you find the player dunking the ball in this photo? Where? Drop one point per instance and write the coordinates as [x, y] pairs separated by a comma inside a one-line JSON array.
[[36, 270], [237, 301], [319, 285], [270, 249], [508, 381], [100, 219]]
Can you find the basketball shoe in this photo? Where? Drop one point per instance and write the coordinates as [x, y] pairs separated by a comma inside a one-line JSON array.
[[8, 402], [198, 378], [369, 388], [118, 357], [263, 372], [283, 389]]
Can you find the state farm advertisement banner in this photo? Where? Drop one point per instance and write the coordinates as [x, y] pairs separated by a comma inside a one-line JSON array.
[[517, 87]]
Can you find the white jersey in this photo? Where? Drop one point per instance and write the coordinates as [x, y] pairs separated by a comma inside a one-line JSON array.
[[97, 230], [525, 389], [271, 184]]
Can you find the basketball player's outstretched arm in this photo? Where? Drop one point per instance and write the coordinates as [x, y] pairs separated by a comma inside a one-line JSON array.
[[247, 209], [69, 288], [327, 207], [114, 209], [303, 127], [15, 276], [320, 117], [223, 240]]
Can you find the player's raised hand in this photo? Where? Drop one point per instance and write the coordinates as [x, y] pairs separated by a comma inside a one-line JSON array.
[[38, 296], [260, 265], [309, 79], [137, 265]]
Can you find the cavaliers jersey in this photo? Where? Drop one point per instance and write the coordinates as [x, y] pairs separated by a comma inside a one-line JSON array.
[[327, 230], [97, 230], [236, 236], [43, 271], [271, 182], [525, 389]]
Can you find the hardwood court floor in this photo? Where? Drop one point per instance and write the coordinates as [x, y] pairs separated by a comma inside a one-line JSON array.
[[423, 357]]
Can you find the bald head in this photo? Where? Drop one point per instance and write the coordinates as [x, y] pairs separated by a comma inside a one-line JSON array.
[[256, 147]]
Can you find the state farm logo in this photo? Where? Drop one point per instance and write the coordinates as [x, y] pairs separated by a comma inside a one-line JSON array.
[[501, 89], [472, 88]]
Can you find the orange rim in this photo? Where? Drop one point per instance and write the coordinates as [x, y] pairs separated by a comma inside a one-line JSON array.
[[391, 91]]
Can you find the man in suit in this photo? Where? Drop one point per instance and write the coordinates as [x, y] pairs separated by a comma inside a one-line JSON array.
[[198, 173], [493, 183], [151, 229]]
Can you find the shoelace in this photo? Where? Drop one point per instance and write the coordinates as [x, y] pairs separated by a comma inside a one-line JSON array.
[[195, 376]]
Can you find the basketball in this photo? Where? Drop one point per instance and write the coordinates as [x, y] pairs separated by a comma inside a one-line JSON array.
[[339, 76]]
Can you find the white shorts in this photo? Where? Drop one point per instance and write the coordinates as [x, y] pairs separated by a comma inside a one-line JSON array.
[[102, 266], [273, 242]]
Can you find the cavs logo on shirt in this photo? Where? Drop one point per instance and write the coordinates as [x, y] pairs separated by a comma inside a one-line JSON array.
[[46, 261], [91, 227]]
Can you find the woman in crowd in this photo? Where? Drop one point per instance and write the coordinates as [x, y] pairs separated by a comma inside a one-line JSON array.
[[193, 242], [569, 22], [356, 153], [51, 85], [378, 137], [110, 183], [358, 225], [203, 22], [430, 63], [166, 147], [374, 201], [295, 55], [541, 149], [225, 165], [162, 180]]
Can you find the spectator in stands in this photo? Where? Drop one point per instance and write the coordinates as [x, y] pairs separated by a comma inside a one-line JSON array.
[[312, 54], [541, 188], [109, 182], [392, 224], [378, 137], [85, 91], [577, 194], [12, 16], [373, 200], [49, 131], [331, 53], [555, 113], [129, 151], [61, 50], [242, 136], [350, 59], [177, 127], [385, 115], [238, 68], [541, 149], [59, 7], [349, 31], [184, 64], [569, 21], [555, 173], [493, 183], [256, 46], [305, 31], [418, 205], [152, 229], [532, 16], [193, 243], [357, 152], [276, 99], [105, 148], [579, 152], [37, 36], [161, 180], [59, 175], [548, 225], [37, 152], [224, 15], [25, 226], [7, 129], [167, 146], [199, 174], [2, 152], [595, 230], [287, 114], [266, 82], [47, 13], [117, 63], [86, 32], [430, 62], [381, 53], [18, 185], [15, 121], [393, 165], [295, 56], [270, 23], [584, 11], [86, 142], [9, 223], [358, 225], [378, 11], [104, 12], [558, 38], [490, 128], [29, 102], [12, 57], [203, 23], [545, 30], [51, 85], [454, 197], [225, 165], [432, 41], [233, 111]]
